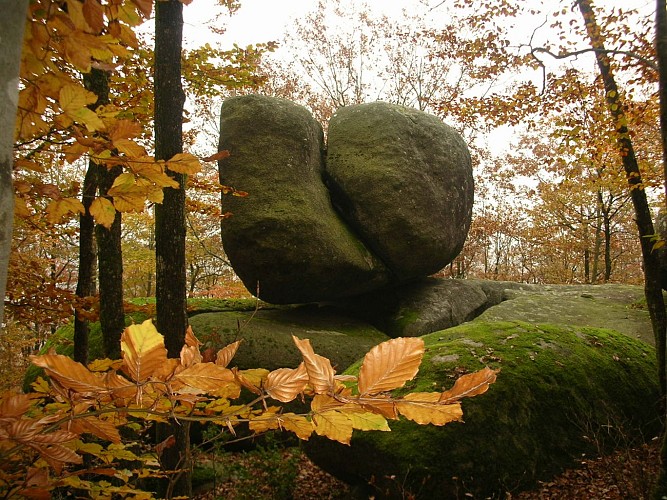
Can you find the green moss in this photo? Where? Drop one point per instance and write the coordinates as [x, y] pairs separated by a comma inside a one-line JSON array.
[[562, 392], [267, 335]]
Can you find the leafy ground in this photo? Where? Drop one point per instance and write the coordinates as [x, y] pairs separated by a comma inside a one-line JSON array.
[[623, 475]]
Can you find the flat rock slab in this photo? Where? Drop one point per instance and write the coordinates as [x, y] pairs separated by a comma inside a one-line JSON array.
[[619, 307], [267, 336]]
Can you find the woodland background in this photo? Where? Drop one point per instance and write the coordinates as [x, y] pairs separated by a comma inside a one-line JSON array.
[[91, 173]]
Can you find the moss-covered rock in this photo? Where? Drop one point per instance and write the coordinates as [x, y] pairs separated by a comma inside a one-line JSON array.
[[267, 335], [562, 391]]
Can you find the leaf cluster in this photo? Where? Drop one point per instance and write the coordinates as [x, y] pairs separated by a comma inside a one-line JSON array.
[[44, 431]]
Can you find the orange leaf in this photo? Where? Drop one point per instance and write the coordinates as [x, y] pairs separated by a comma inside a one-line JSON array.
[[472, 384], [184, 163], [190, 353], [208, 378], [285, 384], [424, 408], [226, 354], [319, 369], [389, 365], [94, 14], [218, 156], [76, 377], [103, 212]]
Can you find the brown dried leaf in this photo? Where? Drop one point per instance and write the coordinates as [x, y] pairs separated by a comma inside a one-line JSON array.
[[226, 354], [319, 369], [70, 374], [285, 384], [469, 385], [389, 365], [190, 353], [424, 408], [218, 156], [206, 377], [13, 405]]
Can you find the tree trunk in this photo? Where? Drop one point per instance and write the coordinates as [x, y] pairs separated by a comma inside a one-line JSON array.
[[652, 283], [97, 81], [85, 286], [110, 269], [170, 275], [11, 27]]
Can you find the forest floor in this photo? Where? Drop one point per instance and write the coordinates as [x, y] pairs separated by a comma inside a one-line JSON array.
[[625, 475]]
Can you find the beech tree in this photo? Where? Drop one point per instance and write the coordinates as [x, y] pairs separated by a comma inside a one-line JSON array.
[[11, 26]]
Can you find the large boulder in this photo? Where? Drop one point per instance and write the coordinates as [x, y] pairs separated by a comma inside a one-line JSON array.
[[284, 239], [562, 392], [403, 180], [420, 307], [390, 201]]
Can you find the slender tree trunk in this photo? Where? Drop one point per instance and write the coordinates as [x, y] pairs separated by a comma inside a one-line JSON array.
[[661, 52], [170, 275], [110, 269], [11, 28], [652, 283], [97, 81], [85, 286]]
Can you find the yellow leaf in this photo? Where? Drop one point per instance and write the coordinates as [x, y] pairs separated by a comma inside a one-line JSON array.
[[285, 384], [263, 422], [184, 163], [74, 97], [21, 208], [469, 385], [366, 421], [103, 211], [319, 369], [297, 424], [333, 425], [226, 354], [103, 365], [57, 209], [129, 147], [251, 379], [389, 365], [148, 168], [143, 351], [75, 13], [424, 408]]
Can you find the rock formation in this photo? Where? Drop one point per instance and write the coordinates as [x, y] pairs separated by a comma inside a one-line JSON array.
[[388, 202]]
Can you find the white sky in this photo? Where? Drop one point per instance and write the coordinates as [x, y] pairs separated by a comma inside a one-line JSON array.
[[260, 21]]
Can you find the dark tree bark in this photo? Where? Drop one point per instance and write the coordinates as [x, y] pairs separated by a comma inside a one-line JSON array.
[[661, 53], [96, 81], [11, 27], [652, 272], [85, 286], [110, 270], [170, 285]]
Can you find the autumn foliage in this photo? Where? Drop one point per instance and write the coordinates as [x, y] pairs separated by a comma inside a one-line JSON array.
[[90, 411]]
